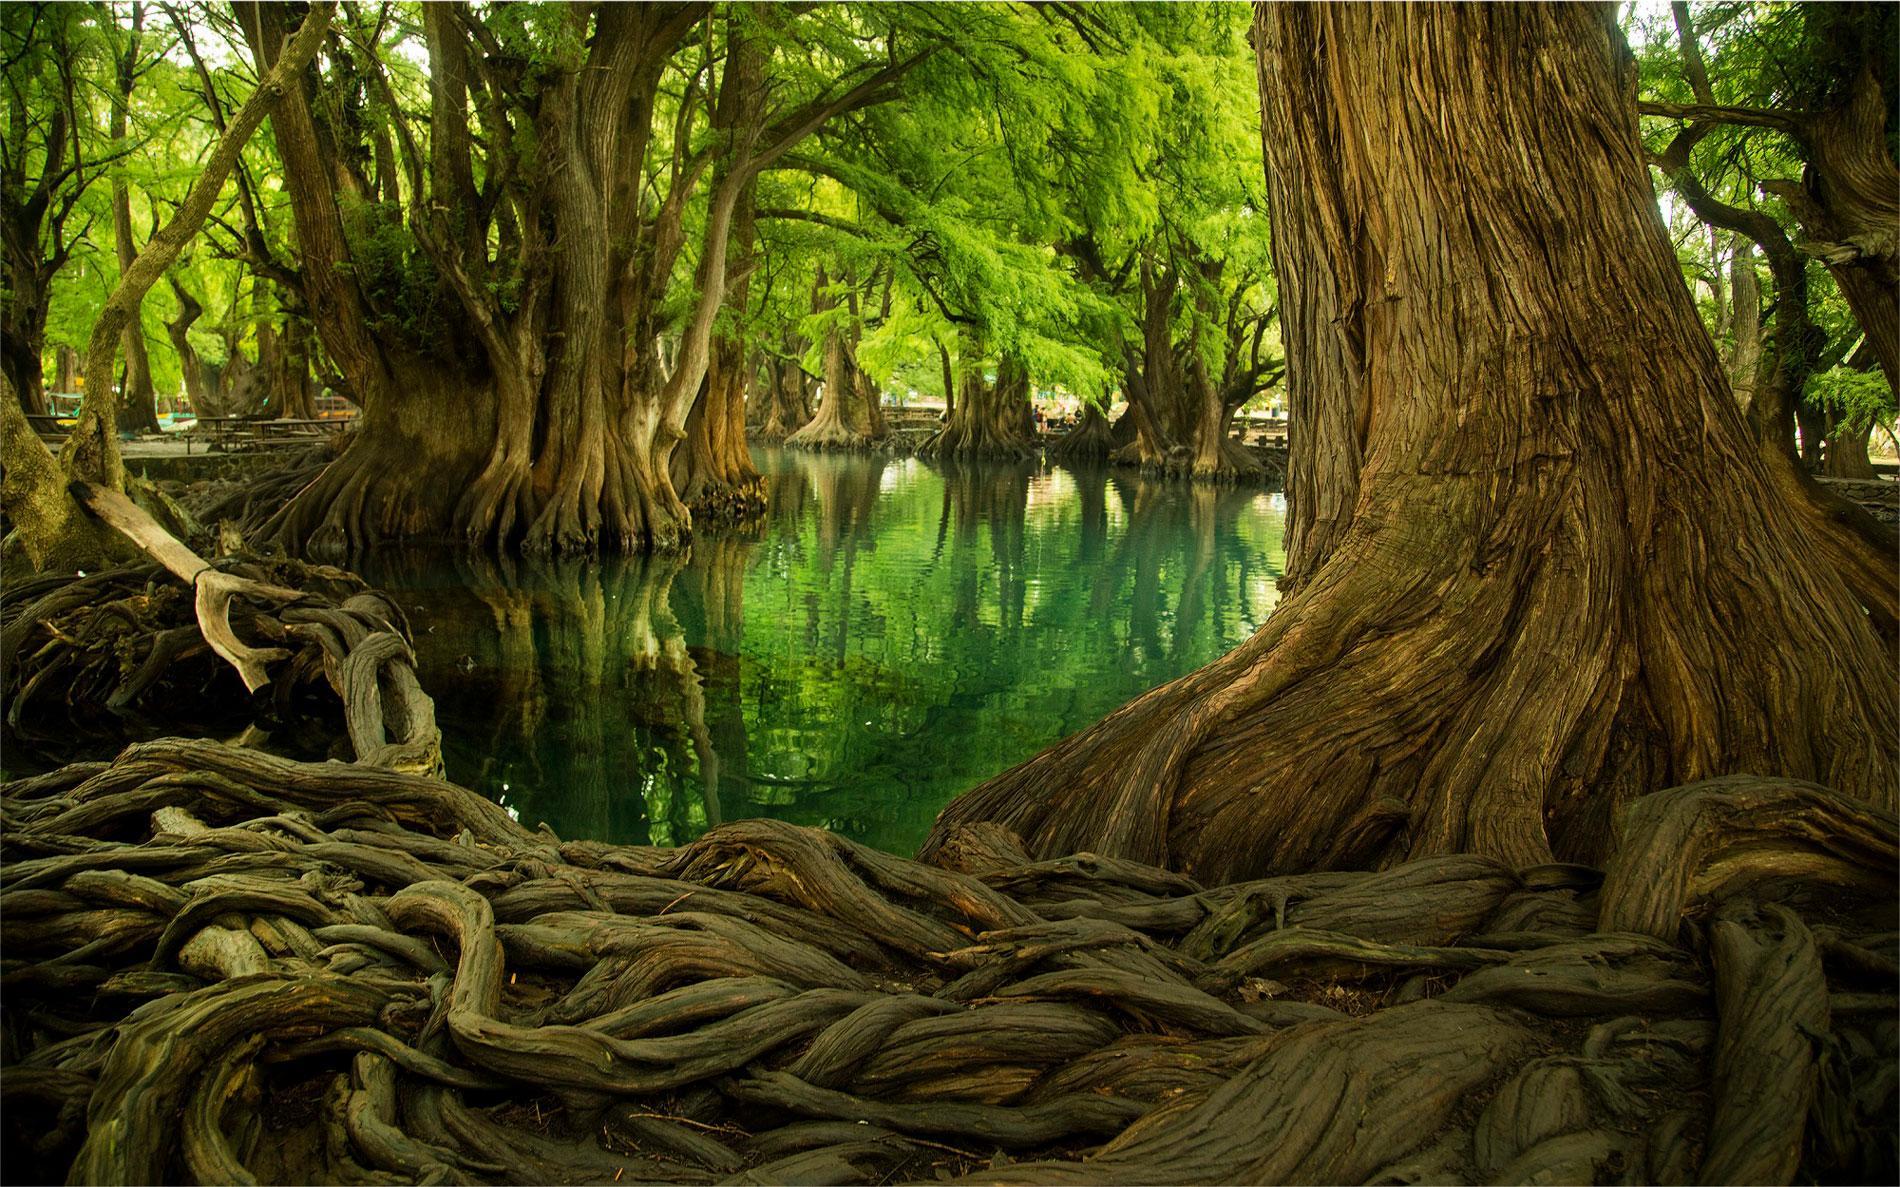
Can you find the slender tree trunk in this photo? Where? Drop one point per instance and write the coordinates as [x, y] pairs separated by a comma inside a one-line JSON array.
[[1744, 361], [138, 405], [138, 411], [1535, 567], [190, 365], [66, 377], [712, 467]]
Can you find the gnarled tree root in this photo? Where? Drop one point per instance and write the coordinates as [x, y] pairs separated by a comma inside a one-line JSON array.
[[125, 643], [222, 965]]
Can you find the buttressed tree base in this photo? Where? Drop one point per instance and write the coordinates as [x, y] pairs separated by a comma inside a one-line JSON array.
[[1535, 567]]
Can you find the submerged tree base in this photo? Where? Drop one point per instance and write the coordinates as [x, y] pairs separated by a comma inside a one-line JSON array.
[[224, 965]]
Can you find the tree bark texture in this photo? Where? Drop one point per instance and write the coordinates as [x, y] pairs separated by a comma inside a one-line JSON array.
[[1535, 567], [1744, 361]]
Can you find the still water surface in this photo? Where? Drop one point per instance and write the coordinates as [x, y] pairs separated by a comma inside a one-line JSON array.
[[893, 633]]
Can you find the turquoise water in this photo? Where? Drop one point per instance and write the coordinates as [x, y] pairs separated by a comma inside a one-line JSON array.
[[893, 633]]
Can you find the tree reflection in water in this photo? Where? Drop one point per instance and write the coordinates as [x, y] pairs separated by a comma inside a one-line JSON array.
[[892, 633]]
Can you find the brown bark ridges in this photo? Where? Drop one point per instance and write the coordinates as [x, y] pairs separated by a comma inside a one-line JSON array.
[[1516, 597], [331, 971]]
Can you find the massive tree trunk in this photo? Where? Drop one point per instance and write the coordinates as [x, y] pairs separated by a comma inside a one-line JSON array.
[[1534, 565], [1846, 454], [988, 420], [23, 336]]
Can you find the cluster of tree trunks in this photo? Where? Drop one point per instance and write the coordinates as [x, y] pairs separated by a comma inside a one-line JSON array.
[[850, 412], [546, 418], [988, 419], [1535, 565], [785, 403], [1182, 413]]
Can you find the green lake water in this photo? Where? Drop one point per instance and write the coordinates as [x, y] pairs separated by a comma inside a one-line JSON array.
[[893, 633]]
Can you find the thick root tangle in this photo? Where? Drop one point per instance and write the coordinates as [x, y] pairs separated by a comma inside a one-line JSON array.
[[226, 966]]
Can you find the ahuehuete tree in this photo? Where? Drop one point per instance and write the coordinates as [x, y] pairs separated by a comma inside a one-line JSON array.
[[1193, 276], [1535, 567], [850, 412], [942, 198], [504, 292]]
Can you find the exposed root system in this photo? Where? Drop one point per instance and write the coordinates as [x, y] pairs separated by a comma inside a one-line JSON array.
[[119, 653], [227, 966], [222, 965]]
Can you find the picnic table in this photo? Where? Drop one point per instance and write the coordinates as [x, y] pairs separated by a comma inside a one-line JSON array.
[[232, 433], [215, 431], [289, 428]]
